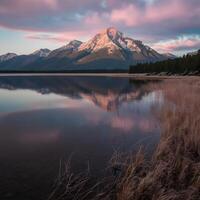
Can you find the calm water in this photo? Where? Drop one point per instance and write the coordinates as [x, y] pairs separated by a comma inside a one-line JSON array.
[[47, 119]]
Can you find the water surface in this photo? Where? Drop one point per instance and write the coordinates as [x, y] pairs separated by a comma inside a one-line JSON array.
[[47, 119]]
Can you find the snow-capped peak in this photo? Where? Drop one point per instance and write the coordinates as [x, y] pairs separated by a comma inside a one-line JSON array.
[[7, 56], [114, 34], [108, 39], [42, 52], [72, 45], [75, 43], [112, 39]]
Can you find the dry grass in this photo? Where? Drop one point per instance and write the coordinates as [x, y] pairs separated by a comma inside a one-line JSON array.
[[173, 173], [70, 186]]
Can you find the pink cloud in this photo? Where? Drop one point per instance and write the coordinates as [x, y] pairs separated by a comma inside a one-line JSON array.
[[130, 15], [178, 44], [65, 20], [166, 11], [93, 19], [28, 7], [61, 37], [96, 21], [24, 7], [133, 15]]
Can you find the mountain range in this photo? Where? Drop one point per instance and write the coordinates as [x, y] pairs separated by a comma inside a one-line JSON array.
[[107, 50]]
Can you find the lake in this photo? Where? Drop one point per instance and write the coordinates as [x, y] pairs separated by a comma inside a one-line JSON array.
[[48, 119]]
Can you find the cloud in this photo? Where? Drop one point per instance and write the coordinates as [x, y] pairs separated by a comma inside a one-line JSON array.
[[62, 15], [132, 15], [178, 44], [129, 15], [61, 38], [26, 8], [60, 20], [43, 15], [96, 19]]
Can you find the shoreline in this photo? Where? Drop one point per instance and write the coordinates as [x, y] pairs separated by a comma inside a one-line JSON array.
[[120, 75]]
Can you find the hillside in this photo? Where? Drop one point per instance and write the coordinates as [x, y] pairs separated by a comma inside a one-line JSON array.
[[188, 64]]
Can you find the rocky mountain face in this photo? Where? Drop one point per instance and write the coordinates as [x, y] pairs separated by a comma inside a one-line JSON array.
[[64, 51], [42, 52], [194, 53], [108, 50], [7, 56], [112, 44], [169, 55]]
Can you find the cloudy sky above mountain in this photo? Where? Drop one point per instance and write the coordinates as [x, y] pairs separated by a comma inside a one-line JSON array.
[[166, 25]]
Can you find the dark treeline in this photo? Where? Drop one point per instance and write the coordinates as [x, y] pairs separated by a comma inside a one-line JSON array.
[[63, 71], [188, 64]]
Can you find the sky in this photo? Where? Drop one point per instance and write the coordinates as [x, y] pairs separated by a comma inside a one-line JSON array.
[[165, 25]]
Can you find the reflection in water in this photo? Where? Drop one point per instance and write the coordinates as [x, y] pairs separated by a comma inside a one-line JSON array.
[[45, 119]]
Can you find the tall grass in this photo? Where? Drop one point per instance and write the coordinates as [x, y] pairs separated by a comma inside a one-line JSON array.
[[173, 172]]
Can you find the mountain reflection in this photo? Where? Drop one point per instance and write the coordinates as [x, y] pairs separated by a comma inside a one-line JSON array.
[[46, 119], [107, 93]]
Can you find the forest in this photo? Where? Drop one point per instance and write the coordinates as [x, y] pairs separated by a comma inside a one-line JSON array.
[[187, 65]]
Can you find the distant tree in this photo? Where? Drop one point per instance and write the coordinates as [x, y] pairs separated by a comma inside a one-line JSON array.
[[185, 65]]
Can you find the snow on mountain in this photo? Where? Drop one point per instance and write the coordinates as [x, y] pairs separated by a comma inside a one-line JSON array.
[[112, 39], [169, 55], [7, 56], [112, 44], [72, 45], [194, 53], [99, 41], [42, 52], [109, 49], [64, 50]]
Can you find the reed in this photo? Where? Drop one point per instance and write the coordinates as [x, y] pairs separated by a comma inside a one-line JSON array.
[[173, 172]]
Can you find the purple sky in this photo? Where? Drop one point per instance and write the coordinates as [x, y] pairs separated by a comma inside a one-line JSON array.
[[166, 25]]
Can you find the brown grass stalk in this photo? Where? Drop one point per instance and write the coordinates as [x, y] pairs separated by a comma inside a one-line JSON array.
[[173, 172]]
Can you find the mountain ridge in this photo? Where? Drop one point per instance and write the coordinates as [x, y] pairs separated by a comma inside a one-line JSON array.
[[7, 56], [42, 52], [107, 50]]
